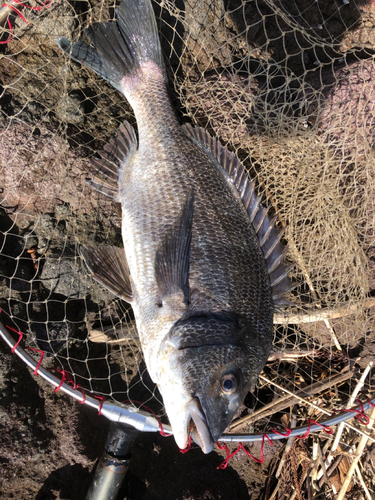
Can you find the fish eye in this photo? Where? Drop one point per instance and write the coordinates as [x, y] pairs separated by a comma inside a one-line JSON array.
[[229, 383]]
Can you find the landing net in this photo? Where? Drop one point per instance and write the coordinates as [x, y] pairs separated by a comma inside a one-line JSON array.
[[288, 86]]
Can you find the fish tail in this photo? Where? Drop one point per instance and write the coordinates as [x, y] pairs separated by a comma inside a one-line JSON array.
[[121, 47]]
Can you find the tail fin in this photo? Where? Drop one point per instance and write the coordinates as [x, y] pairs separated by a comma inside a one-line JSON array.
[[122, 46]]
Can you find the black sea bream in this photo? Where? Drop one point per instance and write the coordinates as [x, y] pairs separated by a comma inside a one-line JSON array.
[[202, 265]]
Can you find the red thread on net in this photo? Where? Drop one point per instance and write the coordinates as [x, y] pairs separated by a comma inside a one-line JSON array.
[[310, 421], [10, 24], [76, 386], [19, 339], [360, 415], [69, 380], [161, 430], [12, 7], [62, 379], [224, 464], [40, 359], [101, 398], [326, 428], [45, 5], [84, 397], [286, 434], [185, 450], [307, 432], [260, 460]]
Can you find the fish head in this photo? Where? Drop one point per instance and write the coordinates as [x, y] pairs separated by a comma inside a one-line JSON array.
[[207, 365]]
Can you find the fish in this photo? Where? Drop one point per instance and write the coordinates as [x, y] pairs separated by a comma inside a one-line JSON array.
[[203, 263]]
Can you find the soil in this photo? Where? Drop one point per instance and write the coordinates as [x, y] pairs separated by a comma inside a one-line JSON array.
[[50, 443]]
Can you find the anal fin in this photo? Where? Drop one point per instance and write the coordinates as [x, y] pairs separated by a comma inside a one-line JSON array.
[[109, 268]]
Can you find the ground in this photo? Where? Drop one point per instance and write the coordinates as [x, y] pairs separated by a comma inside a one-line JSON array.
[[50, 444]]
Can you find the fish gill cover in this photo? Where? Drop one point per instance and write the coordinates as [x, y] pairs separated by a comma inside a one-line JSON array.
[[287, 86]]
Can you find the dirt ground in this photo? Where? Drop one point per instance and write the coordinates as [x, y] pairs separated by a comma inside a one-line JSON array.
[[49, 446]]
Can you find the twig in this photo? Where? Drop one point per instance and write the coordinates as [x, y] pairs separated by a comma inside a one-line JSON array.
[[274, 493], [303, 477], [317, 408], [321, 462], [314, 469], [294, 466], [330, 471], [288, 446], [300, 398], [320, 315], [118, 334], [341, 426], [287, 400], [365, 489], [308, 487], [271, 473], [357, 456], [289, 355]]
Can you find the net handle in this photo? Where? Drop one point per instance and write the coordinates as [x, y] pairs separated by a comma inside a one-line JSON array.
[[145, 422]]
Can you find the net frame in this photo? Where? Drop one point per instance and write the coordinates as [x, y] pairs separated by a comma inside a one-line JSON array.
[[145, 422]]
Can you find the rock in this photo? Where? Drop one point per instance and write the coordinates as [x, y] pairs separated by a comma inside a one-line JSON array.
[[348, 117], [64, 276], [53, 336], [21, 281], [48, 174], [60, 21], [70, 109]]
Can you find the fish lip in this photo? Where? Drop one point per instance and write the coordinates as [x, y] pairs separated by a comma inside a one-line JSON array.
[[200, 433]]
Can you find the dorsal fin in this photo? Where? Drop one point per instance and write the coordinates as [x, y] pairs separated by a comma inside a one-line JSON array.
[[112, 158], [269, 236]]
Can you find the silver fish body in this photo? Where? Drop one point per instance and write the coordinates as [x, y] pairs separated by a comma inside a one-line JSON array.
[[193, 266]]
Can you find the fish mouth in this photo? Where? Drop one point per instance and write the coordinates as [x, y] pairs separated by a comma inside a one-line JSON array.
[[198, 427]]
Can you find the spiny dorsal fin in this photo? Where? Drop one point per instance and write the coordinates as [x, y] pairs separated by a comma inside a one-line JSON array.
[[110, 268], [269, 236], [113, 158], [173, 257]]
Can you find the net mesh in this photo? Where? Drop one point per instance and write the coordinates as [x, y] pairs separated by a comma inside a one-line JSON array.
[[288, 86]]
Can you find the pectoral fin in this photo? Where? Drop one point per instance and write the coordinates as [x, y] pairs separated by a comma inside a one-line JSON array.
[[173, 256], [110, 268]]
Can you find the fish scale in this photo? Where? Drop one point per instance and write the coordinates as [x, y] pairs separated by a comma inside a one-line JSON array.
[[219, 269], [158, 180], [192, 266]]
